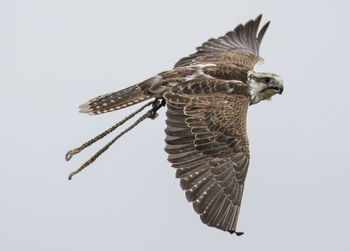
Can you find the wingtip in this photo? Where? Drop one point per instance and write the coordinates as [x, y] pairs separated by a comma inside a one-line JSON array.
[[267, 24], [258, 18], [262, 31], [234, 232]]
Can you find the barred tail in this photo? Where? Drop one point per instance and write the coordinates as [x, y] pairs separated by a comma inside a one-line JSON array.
[[117, 100]]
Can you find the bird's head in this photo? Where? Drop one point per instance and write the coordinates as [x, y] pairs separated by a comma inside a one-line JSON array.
[[263, 85]]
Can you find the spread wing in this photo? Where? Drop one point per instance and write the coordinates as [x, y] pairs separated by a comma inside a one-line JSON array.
[[239, 47], [207, 144]]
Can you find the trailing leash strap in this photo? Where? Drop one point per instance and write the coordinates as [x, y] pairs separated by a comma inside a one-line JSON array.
[[152, 113]]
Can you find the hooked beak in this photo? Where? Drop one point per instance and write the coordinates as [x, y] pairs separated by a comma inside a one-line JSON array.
[[279, 88], [275, 87]]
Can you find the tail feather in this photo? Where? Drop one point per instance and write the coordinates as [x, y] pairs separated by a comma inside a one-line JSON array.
[[117, 100]]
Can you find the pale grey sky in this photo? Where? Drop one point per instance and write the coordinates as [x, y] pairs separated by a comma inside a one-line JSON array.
[[55, 55]]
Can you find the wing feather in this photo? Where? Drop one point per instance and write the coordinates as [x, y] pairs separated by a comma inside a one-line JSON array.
[[239, 47], [207, 144]]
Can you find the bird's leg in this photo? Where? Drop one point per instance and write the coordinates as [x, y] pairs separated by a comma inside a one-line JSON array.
[[74, 151], [156, 106], [150, 114]]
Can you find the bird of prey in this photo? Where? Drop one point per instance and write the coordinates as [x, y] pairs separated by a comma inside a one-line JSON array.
[[207, 95]]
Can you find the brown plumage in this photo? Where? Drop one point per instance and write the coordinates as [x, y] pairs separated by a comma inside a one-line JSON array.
[[207, 144], [207, 95]]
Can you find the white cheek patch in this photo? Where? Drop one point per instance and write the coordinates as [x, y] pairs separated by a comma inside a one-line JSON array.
[[255, 88], [255, 91]]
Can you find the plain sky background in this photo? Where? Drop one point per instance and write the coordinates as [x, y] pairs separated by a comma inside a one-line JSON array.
[[55, 55]]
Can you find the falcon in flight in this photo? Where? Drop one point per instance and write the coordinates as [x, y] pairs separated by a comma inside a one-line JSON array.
[[207, 95]]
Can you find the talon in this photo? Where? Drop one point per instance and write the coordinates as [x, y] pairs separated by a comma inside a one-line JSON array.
[[155, 107]]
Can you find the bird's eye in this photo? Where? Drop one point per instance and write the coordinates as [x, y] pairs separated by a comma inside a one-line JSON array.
[[267, 80]]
